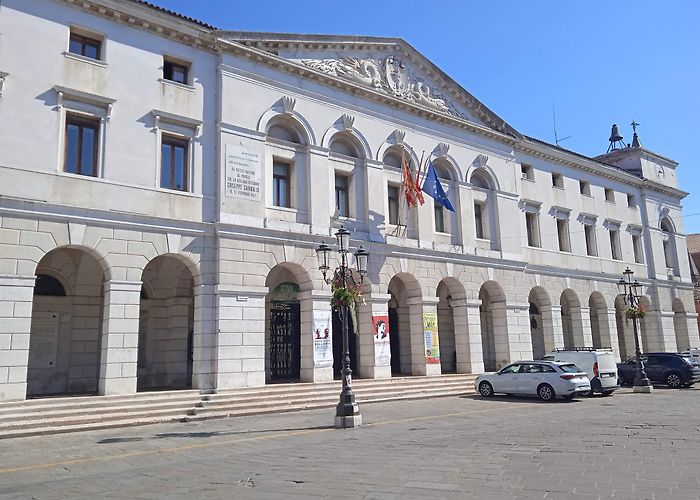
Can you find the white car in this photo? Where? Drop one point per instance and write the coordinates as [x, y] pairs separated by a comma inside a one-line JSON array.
[[600, 365], [546, 379]]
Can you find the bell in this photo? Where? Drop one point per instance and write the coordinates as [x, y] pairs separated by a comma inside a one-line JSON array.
[[615, 134]]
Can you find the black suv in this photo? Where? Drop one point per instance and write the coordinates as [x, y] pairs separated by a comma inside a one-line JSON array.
[[668, 368]]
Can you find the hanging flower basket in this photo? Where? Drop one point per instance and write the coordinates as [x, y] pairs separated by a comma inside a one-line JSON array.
[[349, 295], [637, 312]]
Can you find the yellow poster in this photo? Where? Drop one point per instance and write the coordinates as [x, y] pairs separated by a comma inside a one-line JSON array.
[[432, 344]]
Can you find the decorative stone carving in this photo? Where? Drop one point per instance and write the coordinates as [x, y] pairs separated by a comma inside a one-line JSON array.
[[441, 149], [390, 76], [347, 121], [481, 160], [397, 136], [287, 104]]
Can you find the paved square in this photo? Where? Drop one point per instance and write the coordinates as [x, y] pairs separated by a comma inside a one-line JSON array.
[[624, 446]]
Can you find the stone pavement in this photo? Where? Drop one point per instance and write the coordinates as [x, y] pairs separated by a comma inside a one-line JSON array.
[[625, 446]]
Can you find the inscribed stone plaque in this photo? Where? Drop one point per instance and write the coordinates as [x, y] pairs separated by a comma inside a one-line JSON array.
[[43, 341], [243, 172]]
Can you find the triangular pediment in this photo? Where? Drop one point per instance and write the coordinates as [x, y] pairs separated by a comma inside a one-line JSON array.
[[386, 66]]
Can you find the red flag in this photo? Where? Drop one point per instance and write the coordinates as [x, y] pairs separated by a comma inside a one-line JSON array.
[[416, 185], [409, 186]]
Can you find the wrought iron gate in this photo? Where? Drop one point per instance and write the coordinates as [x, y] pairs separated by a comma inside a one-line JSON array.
[[285, 341]]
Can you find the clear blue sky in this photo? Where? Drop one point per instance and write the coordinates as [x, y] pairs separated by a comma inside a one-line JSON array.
[[599, 62]]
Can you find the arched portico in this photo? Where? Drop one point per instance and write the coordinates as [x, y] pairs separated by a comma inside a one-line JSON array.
[[494, 332], [680, 325], [571, 320], [406, 326], [541, 322]]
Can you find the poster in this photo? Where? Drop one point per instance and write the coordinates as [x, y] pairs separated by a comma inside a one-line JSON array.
[[243, 172], [380, 332], [323, 339], [432, 344]]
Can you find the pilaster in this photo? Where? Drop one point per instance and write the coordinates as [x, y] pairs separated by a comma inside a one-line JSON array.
[[16, 296], [467, 320], [375, 303], [311, 302], [417, 307]]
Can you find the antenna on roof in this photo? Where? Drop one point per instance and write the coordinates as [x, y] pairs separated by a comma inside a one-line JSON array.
[[556, 137]]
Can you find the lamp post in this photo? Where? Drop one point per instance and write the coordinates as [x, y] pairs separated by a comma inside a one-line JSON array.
[[630, 289], [347, 412]]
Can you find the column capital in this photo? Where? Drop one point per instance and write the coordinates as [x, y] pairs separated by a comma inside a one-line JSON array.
[[122, 286]]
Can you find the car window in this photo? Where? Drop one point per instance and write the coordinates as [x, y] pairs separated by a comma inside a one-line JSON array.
[[529, 368], [654, 360], [570, 368], [511, 368], [547, 369]]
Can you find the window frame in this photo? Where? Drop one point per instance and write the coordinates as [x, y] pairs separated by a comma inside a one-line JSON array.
[[172, 62], [557, 180], [527, 172], [585, 188], [533, 233], [615, 246], [175, 141], [85, 40], [631, 200], [479, 222], [276, 186], [563, 237], [439, 214], [589, 232], [637, 249], [82, 121], [390, 188], [346, 190], [609, 195]]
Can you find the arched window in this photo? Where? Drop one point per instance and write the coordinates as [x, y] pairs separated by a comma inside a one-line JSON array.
[[48, 285], [284, 132], [345, 145], [392, 158], [669, 245]]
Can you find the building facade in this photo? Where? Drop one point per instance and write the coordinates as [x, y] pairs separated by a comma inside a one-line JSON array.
[[165, 184]]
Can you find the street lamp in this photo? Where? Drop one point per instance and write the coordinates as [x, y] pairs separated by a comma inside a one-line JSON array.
[[347, 412], [630, 290]]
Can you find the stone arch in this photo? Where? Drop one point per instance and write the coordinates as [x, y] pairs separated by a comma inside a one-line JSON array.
[[680, 325], [405, 322], [293, 119], [668, 241], [359, 141], [450, 166], [387, 148], [494, 331], [483, 177], [166, 324], [571, 320], [452, 324], [66, 330], [541, 322], [598, 313]]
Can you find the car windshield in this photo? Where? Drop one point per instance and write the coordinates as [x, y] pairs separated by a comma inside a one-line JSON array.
[[570, 368]]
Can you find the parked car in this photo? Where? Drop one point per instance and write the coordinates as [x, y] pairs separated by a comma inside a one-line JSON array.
[[671, 369], [546, 379], [599, 364]]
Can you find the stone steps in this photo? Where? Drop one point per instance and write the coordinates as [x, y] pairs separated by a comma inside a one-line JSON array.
[[82, 413]]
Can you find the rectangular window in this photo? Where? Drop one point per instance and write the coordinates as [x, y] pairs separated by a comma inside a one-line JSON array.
[[174, 71], [667, 254], [527, 172], [563, 234], [173, 163], [281, 184], [81, 145], [631, 201], [557, 180], [342, 201], [439, 218], [84, 46], [479, 221], [585, 188], [637, 247], [609, 195], [615, 250], [393, 198], [591, 246], [533, 229]]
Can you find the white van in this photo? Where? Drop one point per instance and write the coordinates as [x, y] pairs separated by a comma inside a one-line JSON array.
[[599, 364]]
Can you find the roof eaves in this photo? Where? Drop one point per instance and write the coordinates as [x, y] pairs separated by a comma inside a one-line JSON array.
[[175, 14]]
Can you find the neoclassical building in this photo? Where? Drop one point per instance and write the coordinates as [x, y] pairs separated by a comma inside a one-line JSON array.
[[163, 186]]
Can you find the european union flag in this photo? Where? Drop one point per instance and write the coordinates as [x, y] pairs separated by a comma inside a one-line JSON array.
[[433, 188]]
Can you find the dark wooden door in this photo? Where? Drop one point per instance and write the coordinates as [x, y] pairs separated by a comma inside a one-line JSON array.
[[394, 341], [285, 341]]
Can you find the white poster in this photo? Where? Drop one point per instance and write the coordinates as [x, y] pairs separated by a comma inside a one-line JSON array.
[[323, 339], [382, 346], [243, 172]]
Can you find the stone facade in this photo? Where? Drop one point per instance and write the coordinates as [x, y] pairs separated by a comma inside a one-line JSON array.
[[115, 282]]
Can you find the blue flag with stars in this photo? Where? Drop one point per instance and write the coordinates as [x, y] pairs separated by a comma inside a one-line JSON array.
[[433, 188]]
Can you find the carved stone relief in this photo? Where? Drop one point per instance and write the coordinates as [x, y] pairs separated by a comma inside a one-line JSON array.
[[390, 76]]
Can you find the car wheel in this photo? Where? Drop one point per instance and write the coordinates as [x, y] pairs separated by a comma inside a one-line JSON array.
[[546, 392], [486, 389], [673, 380]]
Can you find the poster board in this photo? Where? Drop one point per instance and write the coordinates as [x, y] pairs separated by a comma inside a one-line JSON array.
[[323, 339], [432, 344], [382, 344]]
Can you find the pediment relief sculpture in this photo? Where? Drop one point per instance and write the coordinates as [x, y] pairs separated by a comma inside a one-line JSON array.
[[390, 76]]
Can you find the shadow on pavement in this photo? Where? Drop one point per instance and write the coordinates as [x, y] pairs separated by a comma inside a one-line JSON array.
[[523, 399], [204, 435]]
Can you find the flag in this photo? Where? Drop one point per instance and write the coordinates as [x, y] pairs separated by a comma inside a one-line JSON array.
[[433, 188], [409, 186]]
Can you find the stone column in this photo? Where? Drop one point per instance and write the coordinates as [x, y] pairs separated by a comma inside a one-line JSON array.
[[693, 334], [204, 338], [240, 342], [375, 303], [667, 334], [16, 295], [120, 337], [417, 306], [551, 328], [467, 320], [581, 319], [608, 329], [312, 301], [513, 340]]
